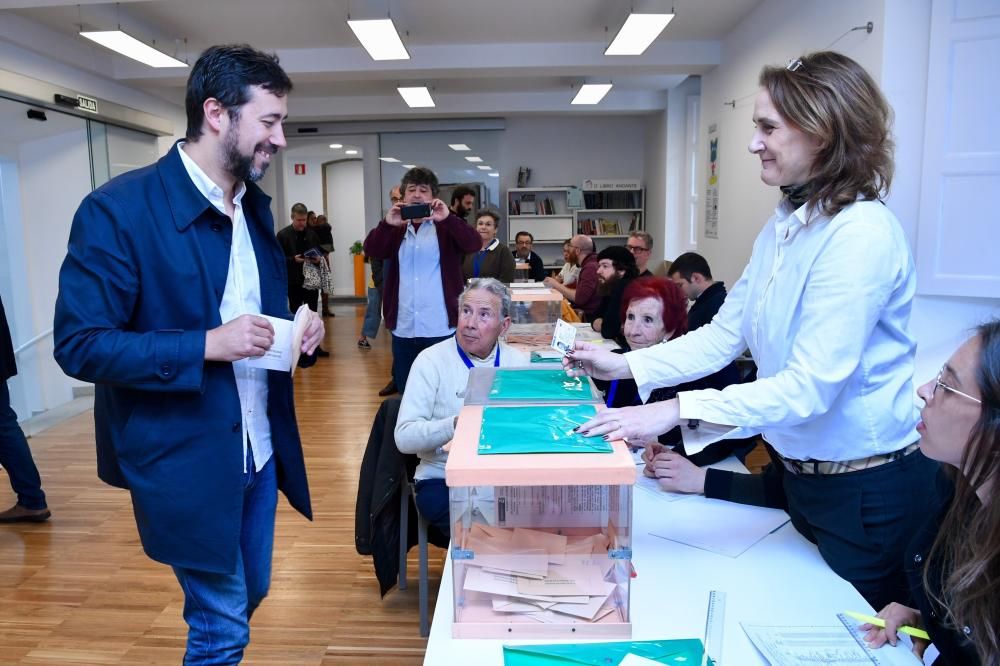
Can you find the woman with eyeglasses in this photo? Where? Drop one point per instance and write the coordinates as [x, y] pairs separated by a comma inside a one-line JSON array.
[[953, 564], [824, 307]]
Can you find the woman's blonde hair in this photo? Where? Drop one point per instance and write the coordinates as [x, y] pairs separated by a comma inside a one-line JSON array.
[[833, 99]]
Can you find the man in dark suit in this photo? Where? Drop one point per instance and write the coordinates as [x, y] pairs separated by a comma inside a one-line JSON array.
[[161, 296], [523, 242], [15, 456]]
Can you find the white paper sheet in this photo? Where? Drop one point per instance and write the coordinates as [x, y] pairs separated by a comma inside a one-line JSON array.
[[718, 526], [284, 352], [652, 488], [831, 646]]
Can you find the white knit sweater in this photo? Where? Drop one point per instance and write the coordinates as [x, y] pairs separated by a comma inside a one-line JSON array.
[[435, 393]]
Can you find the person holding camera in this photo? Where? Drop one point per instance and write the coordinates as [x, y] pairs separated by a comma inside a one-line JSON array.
[[422, 244]]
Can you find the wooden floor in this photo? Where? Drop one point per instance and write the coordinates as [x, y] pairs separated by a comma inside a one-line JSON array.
[[79, 590]]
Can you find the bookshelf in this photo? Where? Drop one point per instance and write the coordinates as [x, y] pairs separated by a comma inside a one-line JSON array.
[[610, 213], [611, 209], [544, 213]]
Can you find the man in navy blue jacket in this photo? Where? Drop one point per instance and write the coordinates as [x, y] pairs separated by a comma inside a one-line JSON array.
[[169, 270]]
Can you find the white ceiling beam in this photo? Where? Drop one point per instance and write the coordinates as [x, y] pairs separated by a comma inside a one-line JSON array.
[[457, 61], [486, 104]]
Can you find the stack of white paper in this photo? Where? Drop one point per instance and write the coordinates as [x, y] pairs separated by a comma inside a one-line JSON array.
[[542, 576], [715, 525]]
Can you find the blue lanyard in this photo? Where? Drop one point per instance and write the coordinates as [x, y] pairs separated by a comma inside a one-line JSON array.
[[614, 389], [468, 362], [477, 262]]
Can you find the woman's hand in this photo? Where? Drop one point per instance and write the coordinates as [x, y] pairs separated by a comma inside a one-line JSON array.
[[642, 424], [597, 362], [895, 616], [677, 474], [649, 453]]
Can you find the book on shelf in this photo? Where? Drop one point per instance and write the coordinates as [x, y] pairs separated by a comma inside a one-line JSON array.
[[527, 204], [610, 228], [596, 200]]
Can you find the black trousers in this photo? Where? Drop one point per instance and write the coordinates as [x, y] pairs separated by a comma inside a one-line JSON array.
[[297, 296], [862, 521]]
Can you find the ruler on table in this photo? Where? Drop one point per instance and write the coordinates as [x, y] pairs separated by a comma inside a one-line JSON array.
[[715, 620], [884, 656]]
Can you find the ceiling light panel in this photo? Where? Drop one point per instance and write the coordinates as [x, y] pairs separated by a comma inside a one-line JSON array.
[[637, 33], [336, 145], [417, 97], [591, 93], [483, 167], [474, 158], [129, 46], [458, 146], [380, 38], [388, 159]]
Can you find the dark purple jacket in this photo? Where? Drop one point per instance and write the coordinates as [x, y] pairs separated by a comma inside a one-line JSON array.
[[456, 238]]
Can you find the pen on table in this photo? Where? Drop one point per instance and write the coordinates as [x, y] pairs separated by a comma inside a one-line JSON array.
[[879, 622]]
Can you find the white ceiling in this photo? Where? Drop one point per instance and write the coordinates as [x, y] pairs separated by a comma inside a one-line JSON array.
[[479, 57]]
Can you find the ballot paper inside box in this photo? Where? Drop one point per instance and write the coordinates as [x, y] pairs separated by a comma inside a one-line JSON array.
[[541, 543]]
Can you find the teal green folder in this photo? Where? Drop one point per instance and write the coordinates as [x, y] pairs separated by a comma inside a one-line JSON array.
[[686, 652], [549, 385], [543, 429]]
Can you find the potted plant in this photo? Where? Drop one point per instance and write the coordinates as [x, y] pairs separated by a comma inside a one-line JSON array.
[[358, 254]]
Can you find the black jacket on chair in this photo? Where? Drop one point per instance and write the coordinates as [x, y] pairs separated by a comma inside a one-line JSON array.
[[376, 514]]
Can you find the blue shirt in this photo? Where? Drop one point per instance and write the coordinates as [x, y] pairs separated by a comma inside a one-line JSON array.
[[420, 290]]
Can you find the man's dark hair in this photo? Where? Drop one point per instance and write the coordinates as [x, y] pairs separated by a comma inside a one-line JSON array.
[[461, 192], [621, 260], [419, 176], [299, 209], [525, 233], [227, 73], [688, 264]]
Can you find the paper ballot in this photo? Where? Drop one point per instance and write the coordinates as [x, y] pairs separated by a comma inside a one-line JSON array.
[[287, 347]]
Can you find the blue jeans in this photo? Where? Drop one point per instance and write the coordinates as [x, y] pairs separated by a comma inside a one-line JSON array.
[[218, 607], [404, 353], [433, 504], [373, 314], [15, 456]]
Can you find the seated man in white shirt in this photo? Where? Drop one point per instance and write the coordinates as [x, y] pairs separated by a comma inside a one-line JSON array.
[[435, 390]]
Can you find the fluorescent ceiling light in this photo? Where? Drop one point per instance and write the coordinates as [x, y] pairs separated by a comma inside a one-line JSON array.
[[458, 146], [591, 93], [474, 158], [336, 145], [129, 46], [380, 39], [409, 166], [637, 33], [351, 152], [416, 97], [388, 159], [493, 175], [484, 167]]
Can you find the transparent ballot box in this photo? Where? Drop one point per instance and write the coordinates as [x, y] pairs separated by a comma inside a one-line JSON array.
[[538, 384], [534, 303], [541, 543]]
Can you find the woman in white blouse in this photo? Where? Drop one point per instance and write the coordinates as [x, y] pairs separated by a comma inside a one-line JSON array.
[[824, 307]]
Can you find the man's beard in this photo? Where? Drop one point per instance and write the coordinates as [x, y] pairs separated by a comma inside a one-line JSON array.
[[605, 287], [242, 166]]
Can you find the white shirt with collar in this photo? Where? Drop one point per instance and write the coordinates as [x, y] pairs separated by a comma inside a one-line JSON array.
[[824, 306], [241, 296]]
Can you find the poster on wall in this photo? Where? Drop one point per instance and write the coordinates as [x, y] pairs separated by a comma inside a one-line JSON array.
[[712, 194]]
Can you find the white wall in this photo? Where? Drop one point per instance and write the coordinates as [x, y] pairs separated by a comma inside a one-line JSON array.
[[566, 150], [656, 177], [895, 54], [675, 233], [346, 212]]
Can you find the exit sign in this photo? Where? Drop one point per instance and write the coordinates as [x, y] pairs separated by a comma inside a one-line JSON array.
[[300, 169]]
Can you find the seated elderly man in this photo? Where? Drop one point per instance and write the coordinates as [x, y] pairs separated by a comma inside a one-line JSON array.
[[435, 390]]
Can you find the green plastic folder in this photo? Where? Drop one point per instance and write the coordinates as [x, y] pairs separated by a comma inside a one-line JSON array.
[[549, 385], [686, 652], [538, 430]]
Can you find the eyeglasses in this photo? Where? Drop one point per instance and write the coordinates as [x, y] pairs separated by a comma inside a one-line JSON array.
[[938, 382], [635, 249]]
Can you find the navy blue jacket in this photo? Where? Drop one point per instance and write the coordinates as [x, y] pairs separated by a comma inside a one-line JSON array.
[[141, 284]]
